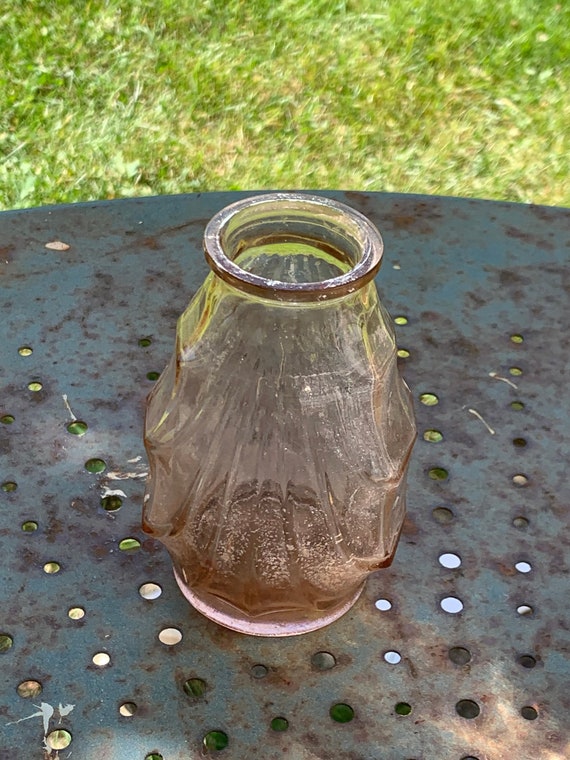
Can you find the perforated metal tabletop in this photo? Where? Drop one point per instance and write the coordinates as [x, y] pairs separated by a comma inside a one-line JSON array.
[[458, 651]]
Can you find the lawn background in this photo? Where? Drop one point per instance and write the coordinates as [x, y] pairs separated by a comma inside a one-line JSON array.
[[112, 98]]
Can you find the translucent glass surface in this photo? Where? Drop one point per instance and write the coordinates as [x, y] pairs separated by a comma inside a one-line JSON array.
[[278, 440]]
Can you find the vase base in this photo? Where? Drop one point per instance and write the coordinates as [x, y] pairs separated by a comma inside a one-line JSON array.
[[229, 617]]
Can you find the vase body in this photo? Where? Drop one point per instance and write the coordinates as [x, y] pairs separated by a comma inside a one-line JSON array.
[[280, 432]]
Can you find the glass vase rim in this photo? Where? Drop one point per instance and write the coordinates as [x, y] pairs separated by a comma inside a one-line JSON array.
[[364, 234]]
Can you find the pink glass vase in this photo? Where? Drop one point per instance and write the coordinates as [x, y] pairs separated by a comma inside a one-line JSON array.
[[280, 432]]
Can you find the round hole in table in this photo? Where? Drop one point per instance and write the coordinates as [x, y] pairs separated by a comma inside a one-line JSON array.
[[280, 724], [433, 436], [95, 465], [341, 712], [526, 661], [451, 604], [170, 636], [438, 473], [77, 427], [101, 659], [323, 661], [128, 709], [29, 689], [58, 739], [111, 503], [442, 515], [215, 740], [449, 560], [529, 713], [523, 567], [6, 642], [467, 708], [129, 544], [429, 399], [150, 591], [459, 655], [194, 687]]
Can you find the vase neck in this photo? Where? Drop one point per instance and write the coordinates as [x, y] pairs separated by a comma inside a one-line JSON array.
[[293, 247]]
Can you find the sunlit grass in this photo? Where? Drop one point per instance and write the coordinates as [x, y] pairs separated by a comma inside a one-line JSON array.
[[116, 98]]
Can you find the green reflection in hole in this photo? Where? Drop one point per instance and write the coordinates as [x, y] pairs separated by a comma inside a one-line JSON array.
[[195, 687], [438, 473], [433, 436], [111, 503], [429, 399], [77, 427], [342, 713], [95, 465], [216, 740], [129, 544]]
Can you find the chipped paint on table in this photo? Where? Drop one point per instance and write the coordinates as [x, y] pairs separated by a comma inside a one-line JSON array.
[[90, 615]]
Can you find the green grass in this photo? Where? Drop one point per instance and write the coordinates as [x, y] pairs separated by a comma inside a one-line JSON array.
[[115, 98]]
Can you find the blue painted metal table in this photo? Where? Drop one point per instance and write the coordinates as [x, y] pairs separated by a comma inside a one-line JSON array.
[[459, 650]]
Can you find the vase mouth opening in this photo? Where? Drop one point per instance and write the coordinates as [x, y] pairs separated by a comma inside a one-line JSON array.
[[293, 247]]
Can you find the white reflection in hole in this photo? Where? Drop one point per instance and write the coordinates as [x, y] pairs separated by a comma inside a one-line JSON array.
[[451, 604], [101, 659], [393, 658], [150, 591], [170, 636], [523, 567], [383, 604], [450, 560]]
